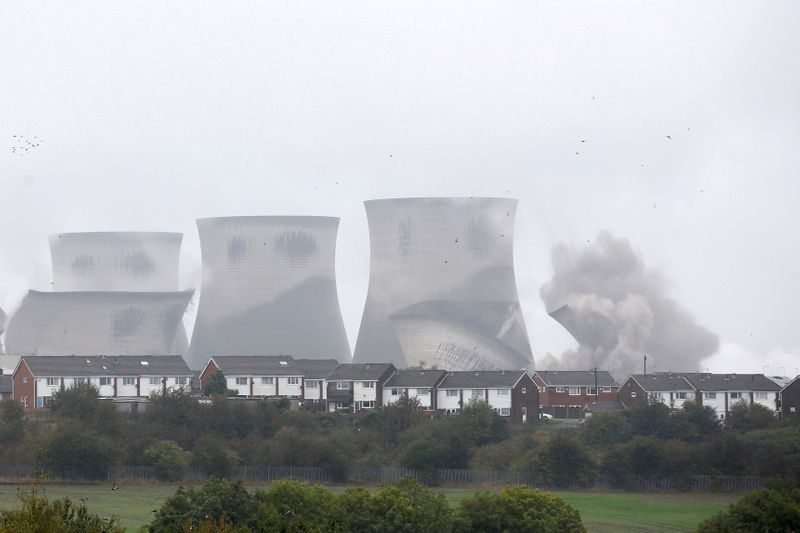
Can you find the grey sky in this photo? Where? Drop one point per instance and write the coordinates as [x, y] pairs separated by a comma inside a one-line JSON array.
[[155, 115]]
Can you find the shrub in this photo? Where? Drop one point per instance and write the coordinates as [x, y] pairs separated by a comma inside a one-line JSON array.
[[215, 457], [38, 515], [564, 460], [295, 506], [775, 508], [169, 460], [519, 509], [12, 421], [76, 452]]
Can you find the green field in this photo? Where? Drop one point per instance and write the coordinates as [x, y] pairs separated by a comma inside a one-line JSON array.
[[600, 511]]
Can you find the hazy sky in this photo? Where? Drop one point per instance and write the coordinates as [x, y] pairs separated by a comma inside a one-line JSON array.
[[155, 114]]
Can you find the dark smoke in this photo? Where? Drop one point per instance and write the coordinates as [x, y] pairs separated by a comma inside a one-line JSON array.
[[618, 310]]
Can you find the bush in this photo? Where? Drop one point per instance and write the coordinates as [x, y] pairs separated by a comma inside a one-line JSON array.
[[79, 453], [215, 457], [564, 460], [775, 509], [519, 509], [38, 515], [218, 386], [743, 417], [12, 421], [295, 506], [169, 460]]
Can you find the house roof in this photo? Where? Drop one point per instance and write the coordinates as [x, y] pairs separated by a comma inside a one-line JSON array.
[[663, 381], [257, 365], [98, 365], [416, 378], [576, 378], [736, 382], [481, 379], [316, 368], [360, 371], [792, 382], [5, 383]]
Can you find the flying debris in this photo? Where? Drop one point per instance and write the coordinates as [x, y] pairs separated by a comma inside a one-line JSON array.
[[22, 145]]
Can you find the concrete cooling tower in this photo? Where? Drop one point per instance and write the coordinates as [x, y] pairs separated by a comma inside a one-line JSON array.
[[591, 329], [115, 261], [3, 319], [269, 288], [442, 290], [91, 323]]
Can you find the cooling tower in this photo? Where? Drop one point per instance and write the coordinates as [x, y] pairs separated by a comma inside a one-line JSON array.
[[3, 319], [115, 261], [91, 323], [591, 329], [269, 288], [442, 290]]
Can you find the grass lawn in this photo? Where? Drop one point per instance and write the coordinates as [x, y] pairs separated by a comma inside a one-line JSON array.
[[600, 511]]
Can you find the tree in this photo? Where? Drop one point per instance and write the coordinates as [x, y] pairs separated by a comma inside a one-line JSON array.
[[606, 429], [295, 506], [399, 417], [775, 508], [169, 460], [743, 417], [38, 515], [479, 424], [215, 457], [81, 404], [12, 421], [218, 386], [74, 451], [701, 420], [519, 509], [564, 460]]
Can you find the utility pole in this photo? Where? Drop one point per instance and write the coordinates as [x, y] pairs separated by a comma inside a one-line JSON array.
[[596, 390], [645, 365]]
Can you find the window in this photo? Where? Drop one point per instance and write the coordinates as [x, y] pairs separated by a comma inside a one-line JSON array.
[[736, 396], [762, 396], [680, 395], [792, 409], [129, 381], [368, 405], [524, 390], [451, 392], [312, 384], [180, 381], [505, 411], [633, 394], [24, 401], [710, 395], [606, 389], [294, 380], [267, 381], [422, 392], [155, 381], [559, 389], [241, 381], [477, 392], [368, 384], [542, 389], [53, 382], [395, 392], [503, 392], [591, 391], [574, 391], [105, 381], [40, 401], [343, 385]]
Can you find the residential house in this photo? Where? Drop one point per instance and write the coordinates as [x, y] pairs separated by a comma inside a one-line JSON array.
[[790, 399], [722, 391], [665, 387], [354, 387], [5, 386], [567, 393], [413, 383], [120, 377], [257, 376], [315, 375], [511, 393]]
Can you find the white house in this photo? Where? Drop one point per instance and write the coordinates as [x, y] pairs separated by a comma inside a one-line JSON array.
[[358, 386], [315, 375], [254, 376], [666, 387], [722, 391], [509, 392], [419, 384], [36, 378]]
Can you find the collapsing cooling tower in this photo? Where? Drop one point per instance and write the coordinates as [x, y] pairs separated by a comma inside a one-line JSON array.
[[93, 322], [442, 290], [115, 261], [269, 288], [3, 319], [592, 330]]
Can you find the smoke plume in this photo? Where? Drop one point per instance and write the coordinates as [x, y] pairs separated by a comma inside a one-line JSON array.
[[618, 310]]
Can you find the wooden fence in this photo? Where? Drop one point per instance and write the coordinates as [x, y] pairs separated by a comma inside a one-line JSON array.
[[385, 475]]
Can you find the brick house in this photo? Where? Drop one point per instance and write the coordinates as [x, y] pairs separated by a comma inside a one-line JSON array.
[[355, 387], [257, 376], [412, 383], [120, 377], [790, 399], [568, 393], [665, 387], [511, 393]]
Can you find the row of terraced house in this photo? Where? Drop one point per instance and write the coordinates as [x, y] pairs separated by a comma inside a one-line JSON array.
[[329, 385]]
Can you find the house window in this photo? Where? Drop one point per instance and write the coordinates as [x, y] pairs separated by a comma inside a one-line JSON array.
[[574, 391], [477, 392], [505, 411], [129, 381], [105, 381], [591, 391], [368, 384], [710, 395], [503, 392], [395, 392], [559, 389], [762, 396], [633, 394], [736, 396], [680, 395], [606, 389], [368, 405], [155, 381], [40, 401], [312, 384], [267, 381], [25, 401], [792, 409], [343, 385], [241, 381], [422, 392], [53, 382], [180, 381], [542, 389], [293, 380], [451, 392], [524, 390]]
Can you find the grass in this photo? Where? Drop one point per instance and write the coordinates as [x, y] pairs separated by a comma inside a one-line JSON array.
[[601, 511]]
